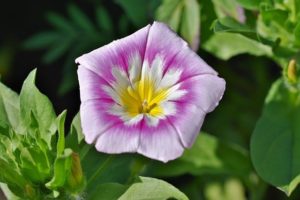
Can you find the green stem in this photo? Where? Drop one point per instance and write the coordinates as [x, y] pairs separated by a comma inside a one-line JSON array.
[[137, 168], [85, 149]]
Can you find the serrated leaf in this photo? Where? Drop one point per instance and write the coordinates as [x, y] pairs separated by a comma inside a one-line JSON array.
[[33, 102], [275, 147], [152, 189]]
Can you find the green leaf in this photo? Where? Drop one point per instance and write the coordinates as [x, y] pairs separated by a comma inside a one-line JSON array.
[[33, 102], [7, 193], [61, 132], [227, 45], [62, 169], [60, 23], [9, 109], [152, 189], [170, 12], [75, 137], [136, 10], [42, 40], [103, 19], [207, 156], [34, 164], [249, 4], [80, 19], [108, 191], [231, 189], [190, 24], [57, 50], [228, 24], [275, 147], [102, 168], [230, 8], [182, 16], [297, 34]]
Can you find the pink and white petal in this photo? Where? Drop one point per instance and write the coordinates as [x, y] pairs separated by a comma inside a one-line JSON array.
[[119, 138], [170, 78], [156, 71], [95, 118], [91, 85], [187, 122], [115, 54], [162, 41], [135, 67], [161, 142], [204, 91]]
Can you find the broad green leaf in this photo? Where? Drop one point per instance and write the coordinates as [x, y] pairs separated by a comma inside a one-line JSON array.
[[249, 4], [170, 12], [230, 8], [190, 24], [108, 191], [274, 16], [152, 188], [228, 24], [275, 142], [227, 45], [182, 16], [102, 168], [62, 169], [33, 102], [61, 132], [9, 108], [207, 156]]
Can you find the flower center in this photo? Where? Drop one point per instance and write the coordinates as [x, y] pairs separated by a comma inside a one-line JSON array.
[[145, 92], [143, 98]]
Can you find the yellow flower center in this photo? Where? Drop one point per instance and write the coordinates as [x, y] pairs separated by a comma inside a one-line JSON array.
[[143, 98]]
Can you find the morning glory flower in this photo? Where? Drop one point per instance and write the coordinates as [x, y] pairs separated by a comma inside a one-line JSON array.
[[146, 93]]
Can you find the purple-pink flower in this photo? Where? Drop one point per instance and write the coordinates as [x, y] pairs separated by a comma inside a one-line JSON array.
[[146, 93]]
